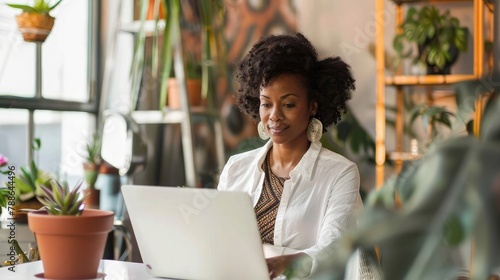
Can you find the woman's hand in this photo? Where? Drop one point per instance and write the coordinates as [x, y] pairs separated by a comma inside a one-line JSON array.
[[278, 265]]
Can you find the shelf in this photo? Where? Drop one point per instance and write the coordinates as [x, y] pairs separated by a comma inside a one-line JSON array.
[[403, 156], [400, 2], [405, 80], [441, 94], [169, 116], [158, 117], [481, 18], [149, 27]]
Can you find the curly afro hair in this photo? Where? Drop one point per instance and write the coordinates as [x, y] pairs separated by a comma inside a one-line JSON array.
[[329, 81]]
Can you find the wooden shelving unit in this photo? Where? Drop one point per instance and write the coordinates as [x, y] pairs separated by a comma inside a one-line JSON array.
[[399, 81], [406, 80]]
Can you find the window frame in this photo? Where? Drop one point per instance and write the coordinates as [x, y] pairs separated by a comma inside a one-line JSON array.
[[94, 81]]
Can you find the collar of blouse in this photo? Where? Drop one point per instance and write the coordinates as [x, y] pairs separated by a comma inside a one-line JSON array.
[[305, 165]]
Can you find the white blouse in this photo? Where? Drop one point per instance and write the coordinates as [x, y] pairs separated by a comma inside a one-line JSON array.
[[318, 201]]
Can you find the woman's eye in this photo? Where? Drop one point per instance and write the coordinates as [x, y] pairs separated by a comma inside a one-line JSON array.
[[265, 105], [289, 105]]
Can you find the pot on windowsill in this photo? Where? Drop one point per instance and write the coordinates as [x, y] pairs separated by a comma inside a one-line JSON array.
[[193, 87], [35, 27], [93, 199], [91, 170]]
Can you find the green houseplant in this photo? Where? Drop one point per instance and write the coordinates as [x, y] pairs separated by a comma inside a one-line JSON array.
[[70, 238], [193, 83], [208, 19], [439, 38], [35, 22], [420, 217], [91, 167], [27, 188]]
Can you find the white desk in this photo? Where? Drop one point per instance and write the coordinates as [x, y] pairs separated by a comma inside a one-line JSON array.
[[113, 270]]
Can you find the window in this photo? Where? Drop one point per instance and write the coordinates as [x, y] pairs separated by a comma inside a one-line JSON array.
[[64, 116]]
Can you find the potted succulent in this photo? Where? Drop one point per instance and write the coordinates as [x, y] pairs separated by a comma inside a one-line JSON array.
[[439, 38], [35, 22], [91, 167], [70, 239]]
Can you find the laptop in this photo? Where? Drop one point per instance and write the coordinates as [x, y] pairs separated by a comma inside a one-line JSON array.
[[188, 233]]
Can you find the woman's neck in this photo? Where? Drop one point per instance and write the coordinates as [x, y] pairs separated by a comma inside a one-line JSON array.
[[284, 158]]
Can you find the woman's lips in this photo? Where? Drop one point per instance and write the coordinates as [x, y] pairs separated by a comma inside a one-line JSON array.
[[277, 129]]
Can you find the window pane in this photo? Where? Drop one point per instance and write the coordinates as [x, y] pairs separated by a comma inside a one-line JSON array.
[[64, 54], [63, 136], [13, 137]]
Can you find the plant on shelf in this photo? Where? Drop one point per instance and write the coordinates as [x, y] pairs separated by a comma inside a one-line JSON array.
[[35, 22], [431, 117], [206, 21], [27, 183], [70, 238], [193, 83], [91, 167], [193, 66], [439, 38]]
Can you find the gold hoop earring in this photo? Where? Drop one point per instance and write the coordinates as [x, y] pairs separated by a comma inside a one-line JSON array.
[[261, 129], [314, 130]]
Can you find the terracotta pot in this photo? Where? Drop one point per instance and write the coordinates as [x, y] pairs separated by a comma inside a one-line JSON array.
[[91, 171], [193, 87], [35, 27], [150, 15], [71, 246], [93, 198]]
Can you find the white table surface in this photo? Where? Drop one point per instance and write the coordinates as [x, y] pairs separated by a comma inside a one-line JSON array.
[[113, 270]]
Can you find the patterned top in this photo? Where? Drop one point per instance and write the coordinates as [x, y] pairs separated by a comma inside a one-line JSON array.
[[269, 201]]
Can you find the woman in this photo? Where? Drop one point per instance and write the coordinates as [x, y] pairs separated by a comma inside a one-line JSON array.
[[304, 195]]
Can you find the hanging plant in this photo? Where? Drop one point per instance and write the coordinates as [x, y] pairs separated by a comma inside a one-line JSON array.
[[34, 22]]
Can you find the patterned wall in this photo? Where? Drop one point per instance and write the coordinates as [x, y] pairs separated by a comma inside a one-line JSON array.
[[246, 21]]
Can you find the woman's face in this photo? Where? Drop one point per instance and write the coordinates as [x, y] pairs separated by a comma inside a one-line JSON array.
[[285, 109]]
